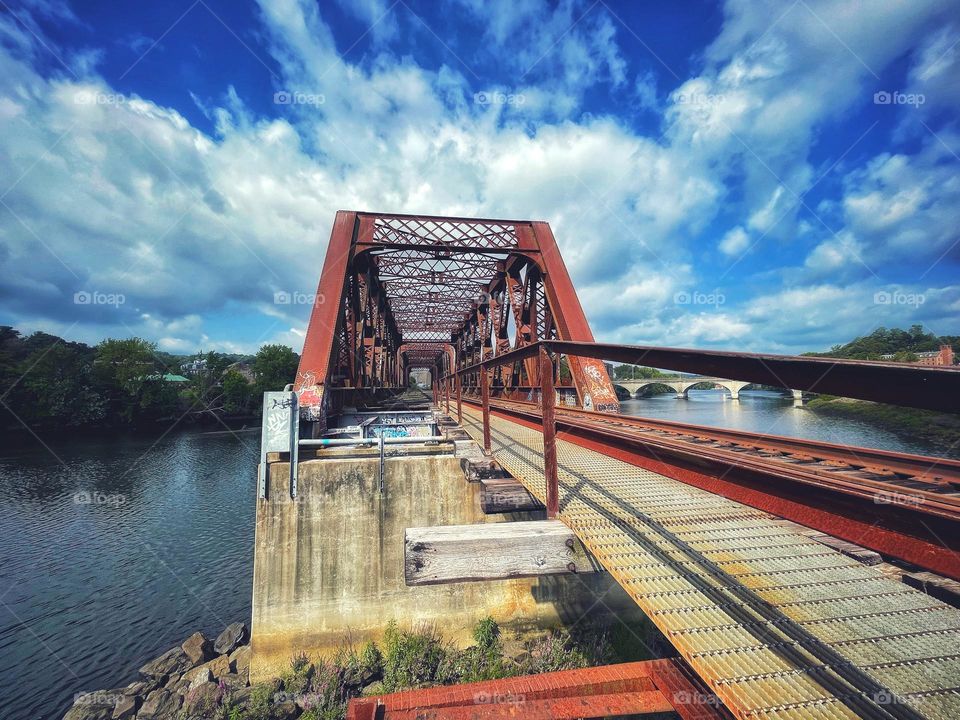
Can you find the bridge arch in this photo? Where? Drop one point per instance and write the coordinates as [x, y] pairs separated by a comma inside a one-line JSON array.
[[634, 387], [681, 387]]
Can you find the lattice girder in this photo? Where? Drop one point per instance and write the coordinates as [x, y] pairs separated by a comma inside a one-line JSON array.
[[436, 293]]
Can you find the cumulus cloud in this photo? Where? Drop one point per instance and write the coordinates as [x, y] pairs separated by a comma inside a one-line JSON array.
[[735, 242], [118, 194], [905, 206]]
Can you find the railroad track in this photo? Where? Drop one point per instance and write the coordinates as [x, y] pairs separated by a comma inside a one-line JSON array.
[[928, 485], [900, 505], [778, 626]]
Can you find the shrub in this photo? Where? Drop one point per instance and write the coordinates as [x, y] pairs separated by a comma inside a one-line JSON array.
[[411, 658], [297, 679], [486, 633], [328, 696]]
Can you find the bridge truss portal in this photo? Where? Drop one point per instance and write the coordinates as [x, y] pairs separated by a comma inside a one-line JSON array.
[[399, 292]]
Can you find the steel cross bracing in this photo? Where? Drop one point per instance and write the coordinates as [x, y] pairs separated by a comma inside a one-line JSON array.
[[776, 623], [440, 293]]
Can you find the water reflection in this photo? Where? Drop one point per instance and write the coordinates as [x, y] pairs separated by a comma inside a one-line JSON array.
[[112, 551], [764, 411]]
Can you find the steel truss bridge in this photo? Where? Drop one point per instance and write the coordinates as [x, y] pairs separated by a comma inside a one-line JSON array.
[[699, 525]]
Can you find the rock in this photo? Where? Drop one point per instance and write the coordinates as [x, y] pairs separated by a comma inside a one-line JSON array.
[[522, 658], [232, 682], [126, 708], [172, 680], [202, 699], [240, 661], [180, 687], [162, 704], [219, 666], [172, 662], [88, 712], [284, 711], [94, 705], [196, 677], [141, 687], [231, 638], [375, 688], [240, 698], [198, 648]]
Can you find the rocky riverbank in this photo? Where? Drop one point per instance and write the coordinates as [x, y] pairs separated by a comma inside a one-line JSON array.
[[909, 423], [209, 680], [192, 680]]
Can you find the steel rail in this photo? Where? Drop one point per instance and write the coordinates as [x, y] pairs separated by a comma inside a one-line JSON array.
[[879, 492], [904, 525], [943, 474]]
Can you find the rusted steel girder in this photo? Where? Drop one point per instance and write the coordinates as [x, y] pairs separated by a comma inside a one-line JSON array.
[[638, 688], [920, 386], [403, 291]]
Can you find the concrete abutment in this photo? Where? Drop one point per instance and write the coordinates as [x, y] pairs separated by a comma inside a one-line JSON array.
[[328, 566]]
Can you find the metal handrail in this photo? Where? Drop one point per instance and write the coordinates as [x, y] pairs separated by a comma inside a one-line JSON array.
[[920, 386], [926, 387]]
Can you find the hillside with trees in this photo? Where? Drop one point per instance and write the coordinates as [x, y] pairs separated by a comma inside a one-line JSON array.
[[883, 341], [50, 382]]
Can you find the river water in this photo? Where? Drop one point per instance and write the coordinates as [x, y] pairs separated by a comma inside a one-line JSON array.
[[114, 550], [765, 411]]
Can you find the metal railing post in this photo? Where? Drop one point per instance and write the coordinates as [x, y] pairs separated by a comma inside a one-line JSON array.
[[446, 386], [459, 399], [549, 433], [485, 399]]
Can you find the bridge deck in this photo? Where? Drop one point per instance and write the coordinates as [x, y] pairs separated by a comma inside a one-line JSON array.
[[778, 625]]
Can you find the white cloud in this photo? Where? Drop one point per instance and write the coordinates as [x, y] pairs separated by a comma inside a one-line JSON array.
[[936, 68], [904, 206], [735, 241], [128, 197]]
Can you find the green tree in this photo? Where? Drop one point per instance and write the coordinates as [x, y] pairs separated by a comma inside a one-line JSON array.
[[129, 376], [890, 341], [274, 366], [206, 383], [634, 372], [61, 390], [237, 393]]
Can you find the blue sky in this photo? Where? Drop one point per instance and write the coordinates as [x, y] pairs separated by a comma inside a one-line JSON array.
[[766, 176]]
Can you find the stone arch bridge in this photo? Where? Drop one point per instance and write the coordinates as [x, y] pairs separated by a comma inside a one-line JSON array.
[[682, 385]]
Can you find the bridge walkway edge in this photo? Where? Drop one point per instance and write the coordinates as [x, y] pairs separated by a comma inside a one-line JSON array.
[[777, 624]]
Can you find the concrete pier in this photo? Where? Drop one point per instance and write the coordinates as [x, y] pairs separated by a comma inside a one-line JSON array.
[[329, 567]]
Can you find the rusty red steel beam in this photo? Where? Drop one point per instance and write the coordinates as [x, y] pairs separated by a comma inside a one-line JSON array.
[[547, 400], [910, 531], [919, 386], [459, 399], [944, 472], [937, 486], [651, 686], [485, 395], [939, 475]]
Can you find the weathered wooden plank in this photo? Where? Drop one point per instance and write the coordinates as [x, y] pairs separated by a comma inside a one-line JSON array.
[[482, 468], [492, 551], [935, 585], [503, 495]]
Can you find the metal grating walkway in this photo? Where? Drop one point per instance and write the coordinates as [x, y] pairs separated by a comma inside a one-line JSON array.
[[777, 624]]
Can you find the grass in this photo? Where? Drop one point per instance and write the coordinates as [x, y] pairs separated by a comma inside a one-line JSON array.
[[909, 423], [419, 657]]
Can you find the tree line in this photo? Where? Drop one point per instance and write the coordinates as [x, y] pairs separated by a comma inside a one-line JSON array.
[[47, 381], [902, 344]]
